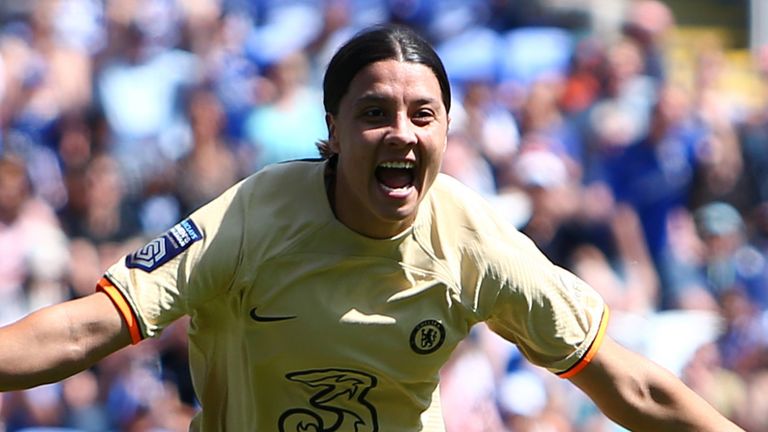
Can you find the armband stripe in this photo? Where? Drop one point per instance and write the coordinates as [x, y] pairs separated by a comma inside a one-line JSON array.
[[105, 286], [591, 351]]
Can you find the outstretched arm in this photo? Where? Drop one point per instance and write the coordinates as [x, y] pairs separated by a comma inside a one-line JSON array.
[[58, 341], [642, 396]]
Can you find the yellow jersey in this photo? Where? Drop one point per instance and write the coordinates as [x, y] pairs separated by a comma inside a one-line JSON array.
[[299, 323]]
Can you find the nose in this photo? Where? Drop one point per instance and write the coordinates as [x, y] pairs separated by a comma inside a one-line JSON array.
[[402, 131]]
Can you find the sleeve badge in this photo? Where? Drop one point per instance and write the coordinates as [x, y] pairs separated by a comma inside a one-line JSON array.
[[165, 247]]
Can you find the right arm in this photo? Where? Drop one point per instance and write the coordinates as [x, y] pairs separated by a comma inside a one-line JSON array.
[[640, 395], [59, 341]]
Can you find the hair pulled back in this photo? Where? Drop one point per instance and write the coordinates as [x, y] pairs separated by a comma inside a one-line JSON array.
[[378, 43]]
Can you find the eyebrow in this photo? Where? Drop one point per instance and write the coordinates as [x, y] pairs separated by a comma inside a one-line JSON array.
[[379, 98]]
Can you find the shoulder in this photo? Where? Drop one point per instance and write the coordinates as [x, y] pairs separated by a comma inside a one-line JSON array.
[[450, 191], [284, 200], [456, 204], [283, 181], [277, 194], [296, 170], [473, 222]]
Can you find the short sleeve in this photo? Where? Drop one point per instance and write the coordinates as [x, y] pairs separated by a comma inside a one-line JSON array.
[[502, 278], [556, 319], [193, 261]]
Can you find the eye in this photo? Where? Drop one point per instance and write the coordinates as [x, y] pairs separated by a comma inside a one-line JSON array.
[[373, 112], [423, 116]]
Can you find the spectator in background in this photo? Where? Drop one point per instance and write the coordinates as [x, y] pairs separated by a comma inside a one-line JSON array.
[[31, 277], [28, 111], [526, 400], [289, 122], [26, 222], [541, 116], [464, 161], [491, 128], [648, 23], [583, 77], [544, 177], [99, 209], [83, 408], [655, 176], [753, 134], [39, 407], [564, 214], [233, 75], [84, 264], [469, 389], [721, 175], [626, 88], [743, 345], [75, 142], [211, 166], [139, 88], [719, 385], [729, 262], [628, 279]]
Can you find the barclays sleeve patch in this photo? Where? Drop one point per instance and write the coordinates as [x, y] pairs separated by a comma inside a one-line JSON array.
[[165, 247]]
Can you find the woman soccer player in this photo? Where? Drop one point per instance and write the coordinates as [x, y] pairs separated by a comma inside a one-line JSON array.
[[327, 294]]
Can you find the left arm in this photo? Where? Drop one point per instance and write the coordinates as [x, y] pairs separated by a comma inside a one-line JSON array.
[[642, 396]]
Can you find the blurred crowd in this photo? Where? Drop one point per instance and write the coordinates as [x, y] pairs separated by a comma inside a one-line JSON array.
[[120, 117]]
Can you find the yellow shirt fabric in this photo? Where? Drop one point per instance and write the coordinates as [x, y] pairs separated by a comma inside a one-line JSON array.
[[297, 321]]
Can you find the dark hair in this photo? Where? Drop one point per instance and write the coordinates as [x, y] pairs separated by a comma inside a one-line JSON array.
[[381, 42]]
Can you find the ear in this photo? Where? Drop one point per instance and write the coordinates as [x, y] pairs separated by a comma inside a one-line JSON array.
[[333, 142]]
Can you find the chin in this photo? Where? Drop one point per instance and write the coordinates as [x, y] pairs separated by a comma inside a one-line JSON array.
[[399, 214], [395, 211]]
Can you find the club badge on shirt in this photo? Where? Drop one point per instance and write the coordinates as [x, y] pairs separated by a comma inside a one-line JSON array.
[[165, 247], [427, 337]]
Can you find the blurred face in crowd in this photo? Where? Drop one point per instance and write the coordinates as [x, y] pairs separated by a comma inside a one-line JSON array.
[[14, 189], [390, 134]]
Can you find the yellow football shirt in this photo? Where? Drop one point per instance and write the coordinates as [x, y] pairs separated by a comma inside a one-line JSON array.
[[299, 323]]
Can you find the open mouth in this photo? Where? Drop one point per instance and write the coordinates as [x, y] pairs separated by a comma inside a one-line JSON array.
[[396, 175]]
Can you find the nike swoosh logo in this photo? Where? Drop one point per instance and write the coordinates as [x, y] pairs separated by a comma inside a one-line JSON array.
[[260, 318]]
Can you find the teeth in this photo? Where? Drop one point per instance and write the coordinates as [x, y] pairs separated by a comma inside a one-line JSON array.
[[397, 164]]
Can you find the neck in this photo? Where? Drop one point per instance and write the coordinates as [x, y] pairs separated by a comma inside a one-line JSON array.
[[348, 213]]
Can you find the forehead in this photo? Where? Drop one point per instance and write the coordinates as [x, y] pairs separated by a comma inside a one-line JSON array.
[[395, 80]]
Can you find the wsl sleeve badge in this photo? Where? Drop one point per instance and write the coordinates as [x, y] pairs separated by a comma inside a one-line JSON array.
[[165, 247]]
